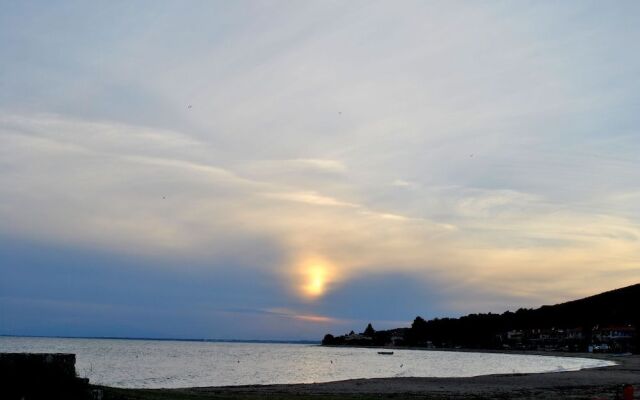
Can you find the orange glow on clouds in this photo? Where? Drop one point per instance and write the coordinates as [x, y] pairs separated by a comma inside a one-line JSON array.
[[315, 318]]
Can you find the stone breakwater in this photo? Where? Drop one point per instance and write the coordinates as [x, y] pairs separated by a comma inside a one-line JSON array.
[[41, 376]]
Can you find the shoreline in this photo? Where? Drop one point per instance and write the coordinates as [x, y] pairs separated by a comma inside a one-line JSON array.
[[604, 356], [600, 382]]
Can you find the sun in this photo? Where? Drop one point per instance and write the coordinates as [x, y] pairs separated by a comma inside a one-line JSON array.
[[316, 281], [315, 275]]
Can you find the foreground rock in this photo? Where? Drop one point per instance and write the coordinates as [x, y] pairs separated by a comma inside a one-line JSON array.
[[41, 376]]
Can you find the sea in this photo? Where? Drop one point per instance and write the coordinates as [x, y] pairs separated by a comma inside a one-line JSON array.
[[174, 364]]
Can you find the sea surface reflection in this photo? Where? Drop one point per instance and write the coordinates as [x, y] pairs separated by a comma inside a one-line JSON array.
[[172, 364]]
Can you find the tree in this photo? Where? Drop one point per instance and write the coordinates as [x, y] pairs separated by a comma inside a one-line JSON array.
[[369, 331], [419, 324], [328, 339]]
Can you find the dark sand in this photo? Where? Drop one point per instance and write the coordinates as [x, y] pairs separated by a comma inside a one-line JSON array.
[[596, 383]]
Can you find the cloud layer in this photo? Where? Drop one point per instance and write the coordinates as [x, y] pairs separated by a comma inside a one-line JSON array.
[[489, 151]]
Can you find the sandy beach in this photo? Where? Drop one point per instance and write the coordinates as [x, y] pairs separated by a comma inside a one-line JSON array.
[[597, 383]]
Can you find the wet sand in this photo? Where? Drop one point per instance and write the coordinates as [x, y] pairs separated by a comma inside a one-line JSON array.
[[596, 383]]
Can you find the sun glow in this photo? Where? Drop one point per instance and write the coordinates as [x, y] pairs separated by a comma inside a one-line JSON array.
[[317, 280], [315, 275]]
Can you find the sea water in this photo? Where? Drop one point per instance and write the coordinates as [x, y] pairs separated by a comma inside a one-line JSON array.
[[174, 364]]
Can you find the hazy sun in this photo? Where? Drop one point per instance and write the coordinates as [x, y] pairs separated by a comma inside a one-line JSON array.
[[315, 275], [316, 281]]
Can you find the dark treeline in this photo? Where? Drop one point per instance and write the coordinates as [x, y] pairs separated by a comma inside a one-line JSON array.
[[576, 320]]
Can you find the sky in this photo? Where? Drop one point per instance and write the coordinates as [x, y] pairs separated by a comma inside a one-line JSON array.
[[284, 169]]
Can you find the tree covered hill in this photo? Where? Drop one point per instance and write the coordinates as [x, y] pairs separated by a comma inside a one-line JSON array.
[[573, 325]]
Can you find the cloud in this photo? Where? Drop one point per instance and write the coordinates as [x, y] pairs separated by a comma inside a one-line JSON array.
[[488, 146], [311, 198], [289, 314], [141, 191], [405, 184], [305, 164], [322, 164]]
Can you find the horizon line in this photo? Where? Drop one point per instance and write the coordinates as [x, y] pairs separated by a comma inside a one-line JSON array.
[[283, 341]]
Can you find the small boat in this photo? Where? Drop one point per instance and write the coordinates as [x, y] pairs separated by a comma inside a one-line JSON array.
[[386, 353]]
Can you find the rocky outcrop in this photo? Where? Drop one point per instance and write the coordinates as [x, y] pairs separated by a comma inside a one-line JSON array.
[[41, 376]]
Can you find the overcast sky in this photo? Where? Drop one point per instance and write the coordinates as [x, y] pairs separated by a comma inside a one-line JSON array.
[[283, 169]]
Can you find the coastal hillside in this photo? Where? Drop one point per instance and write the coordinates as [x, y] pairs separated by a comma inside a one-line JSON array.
[[604, 322]]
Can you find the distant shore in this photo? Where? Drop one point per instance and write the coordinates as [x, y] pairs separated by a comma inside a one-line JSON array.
[[593, 383], [265, 341]]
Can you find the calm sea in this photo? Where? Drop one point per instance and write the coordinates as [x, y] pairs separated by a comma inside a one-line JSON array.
[[172, 364]]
